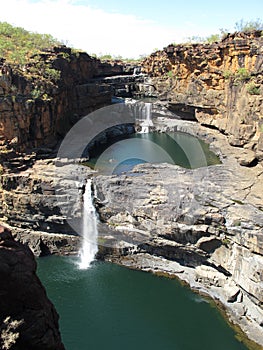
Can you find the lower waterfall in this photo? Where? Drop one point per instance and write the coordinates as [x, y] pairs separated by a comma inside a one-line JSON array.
[[89, 229]]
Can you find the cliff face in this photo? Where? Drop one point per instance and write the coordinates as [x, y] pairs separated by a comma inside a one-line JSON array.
[[203, 226], [39, 103], [38, 106], [220, 84], [31, 206], [28, 319]]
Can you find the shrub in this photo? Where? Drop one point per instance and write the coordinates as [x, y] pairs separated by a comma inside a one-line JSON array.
[[17, 45], [249, 26], [243, 74], [227, 74], [36, 93], [253, 89], [213, 38], [52, 74]]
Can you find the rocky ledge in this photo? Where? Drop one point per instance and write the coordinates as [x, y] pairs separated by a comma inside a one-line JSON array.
[[38, 203], [218, 84], [28, 319], [203, 225]]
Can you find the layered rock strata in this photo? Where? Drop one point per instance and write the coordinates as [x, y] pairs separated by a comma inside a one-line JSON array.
[[41, 102], [203, 225], [38, 204], [218, 84]]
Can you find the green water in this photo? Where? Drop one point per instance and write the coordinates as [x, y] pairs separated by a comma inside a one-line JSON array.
[[108, 307], [121, 155]]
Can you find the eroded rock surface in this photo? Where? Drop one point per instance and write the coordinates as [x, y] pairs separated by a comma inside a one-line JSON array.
[[29, 320], [203, 225], [218, 84]]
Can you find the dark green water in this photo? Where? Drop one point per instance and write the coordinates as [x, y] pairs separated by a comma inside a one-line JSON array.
[[111, 307], [121, 155]]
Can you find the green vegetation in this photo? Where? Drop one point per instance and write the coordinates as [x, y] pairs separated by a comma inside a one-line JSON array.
[[248, 26], [240, 26], [227, 74], [27, 53], [213, 38], [226, 241], [239, 76], [109, 57], [253, 89], [17, 45], [243, 74]]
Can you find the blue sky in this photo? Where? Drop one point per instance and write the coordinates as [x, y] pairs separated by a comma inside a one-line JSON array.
[[127, 28]]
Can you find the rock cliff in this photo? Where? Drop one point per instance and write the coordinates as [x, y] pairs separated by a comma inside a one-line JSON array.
[[41, 101], [28, 319], [218, 84], [203, 225]]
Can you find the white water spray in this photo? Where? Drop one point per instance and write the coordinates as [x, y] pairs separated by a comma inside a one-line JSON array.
[[146, 118], [89, 229]]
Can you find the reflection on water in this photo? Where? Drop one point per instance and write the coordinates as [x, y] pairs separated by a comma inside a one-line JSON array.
[[114, 308], [173, 148]]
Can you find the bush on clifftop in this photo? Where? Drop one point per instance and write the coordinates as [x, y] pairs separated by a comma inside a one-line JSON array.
[[17, 45]]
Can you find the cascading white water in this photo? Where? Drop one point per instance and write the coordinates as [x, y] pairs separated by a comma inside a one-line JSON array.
[[89, 229], [148, 113], [146, 117]]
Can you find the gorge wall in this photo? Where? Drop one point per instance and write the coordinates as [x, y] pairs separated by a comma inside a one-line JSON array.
[[215, 246], [220, 84], [203, 226], [41, 101], [28, 319]]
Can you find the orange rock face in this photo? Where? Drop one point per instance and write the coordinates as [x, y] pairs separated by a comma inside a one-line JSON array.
[[35, 110], [222, 81]]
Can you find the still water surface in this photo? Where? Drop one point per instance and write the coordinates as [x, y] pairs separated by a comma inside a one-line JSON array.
[[121, 155], [109, 307]]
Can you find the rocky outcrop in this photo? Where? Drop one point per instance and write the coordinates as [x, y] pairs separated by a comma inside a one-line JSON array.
[[41, 102], [203, 225], [34, 205], [112, 67], [218, 84], [28, 319], [130, 86]]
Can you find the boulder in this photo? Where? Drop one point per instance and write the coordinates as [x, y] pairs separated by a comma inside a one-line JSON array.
[[29, 320]]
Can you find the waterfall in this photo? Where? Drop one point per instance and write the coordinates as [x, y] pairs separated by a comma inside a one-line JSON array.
[[89, 229], [137, 71], [148, 113], [146, 118]]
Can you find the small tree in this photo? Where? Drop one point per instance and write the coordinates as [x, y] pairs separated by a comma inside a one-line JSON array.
[[248, 26], [213, 38]]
